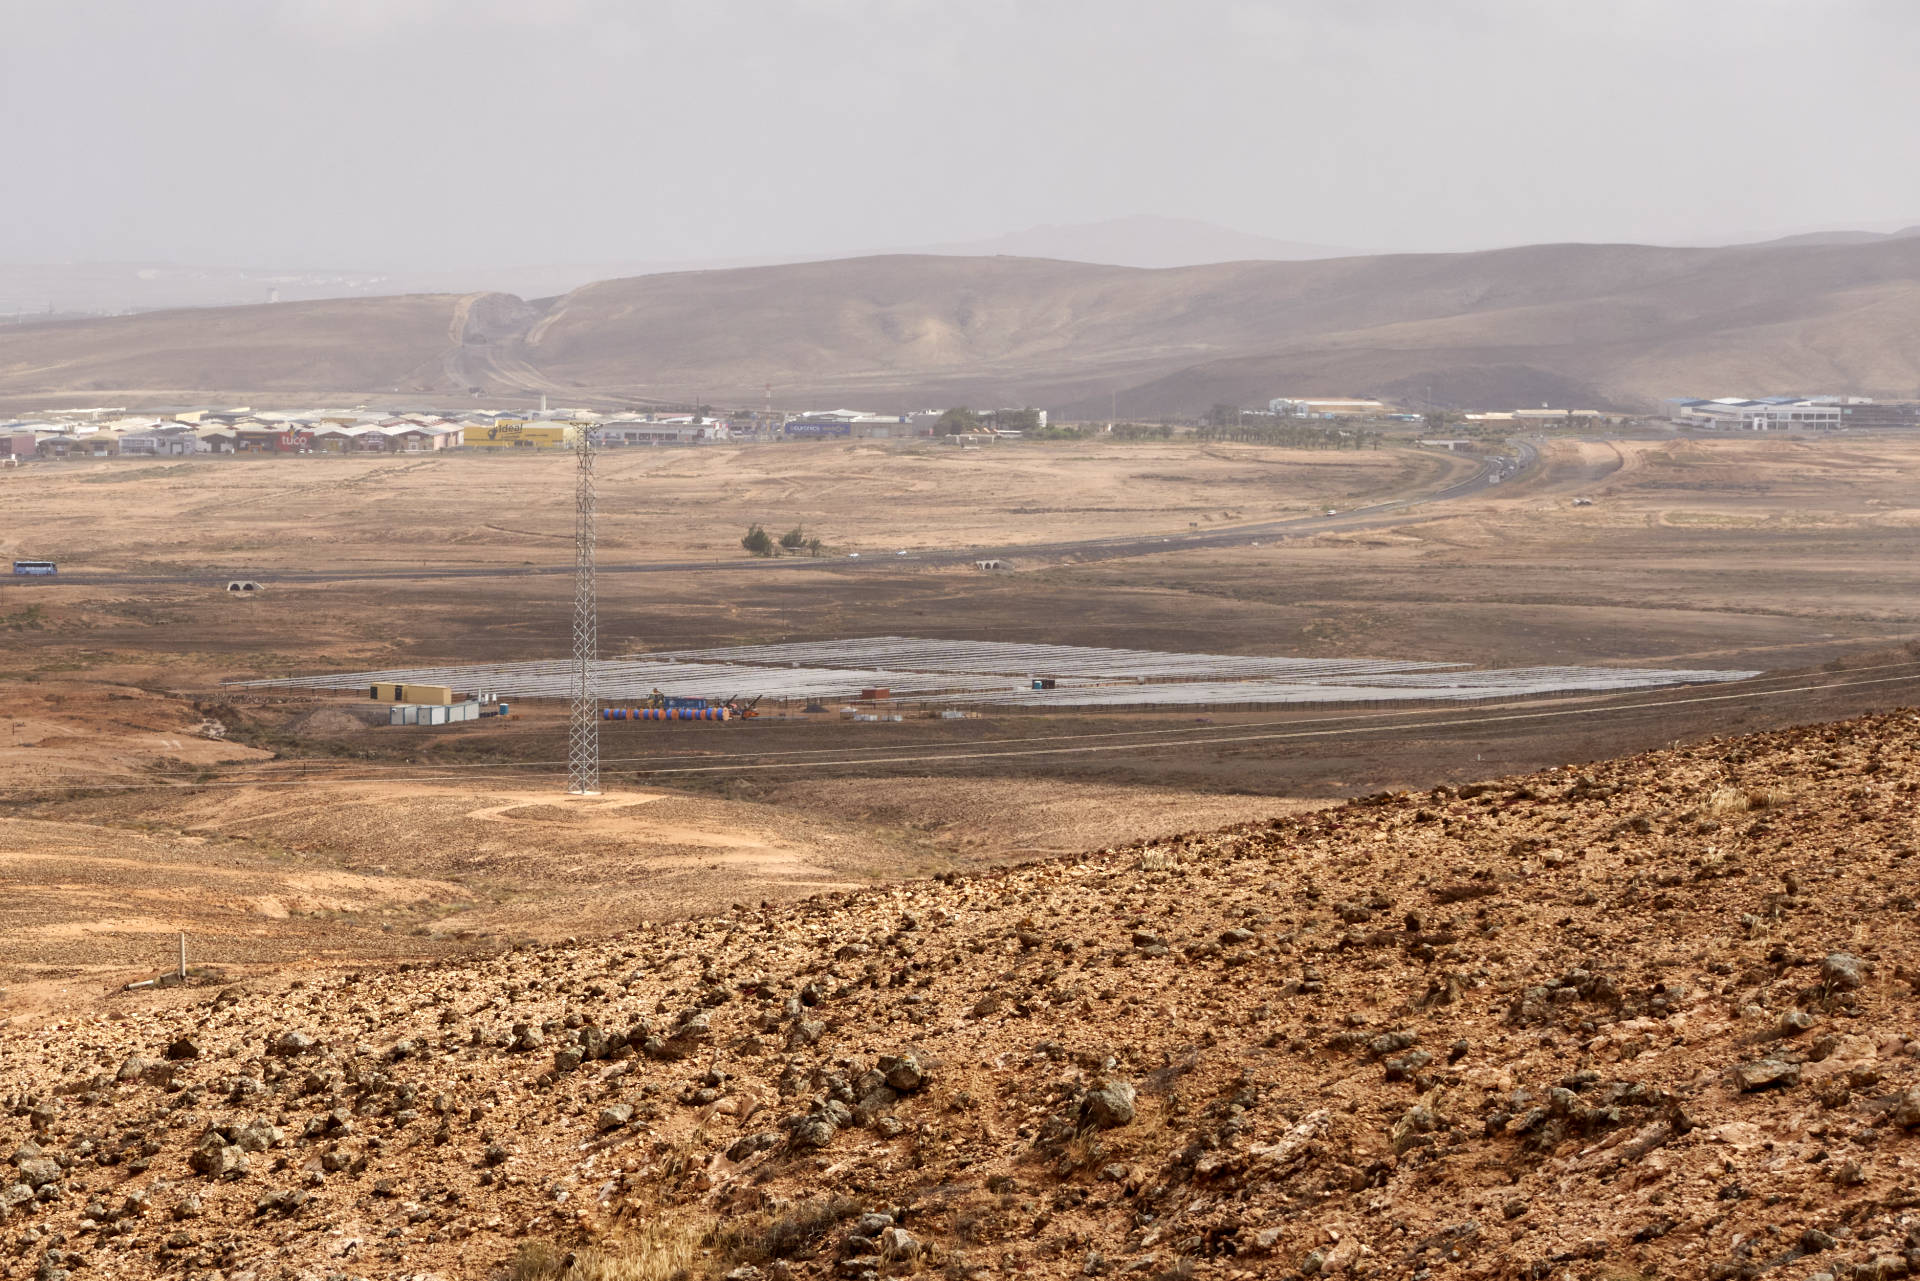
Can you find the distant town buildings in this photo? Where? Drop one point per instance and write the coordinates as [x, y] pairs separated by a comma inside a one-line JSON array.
[[100, 433]]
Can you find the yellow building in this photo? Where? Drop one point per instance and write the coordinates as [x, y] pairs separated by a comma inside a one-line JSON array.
[[509, 433]]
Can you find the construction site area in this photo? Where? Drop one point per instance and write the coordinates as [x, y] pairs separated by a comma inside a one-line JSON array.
[[922, 676]]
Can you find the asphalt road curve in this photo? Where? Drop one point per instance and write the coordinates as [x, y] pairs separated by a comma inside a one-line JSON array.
[[1377, 516]]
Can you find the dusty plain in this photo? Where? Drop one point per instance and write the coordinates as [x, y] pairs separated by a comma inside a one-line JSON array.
[[142, 797]]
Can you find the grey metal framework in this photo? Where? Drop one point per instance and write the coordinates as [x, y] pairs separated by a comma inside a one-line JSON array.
[[583, 723], [616, 679], [904, 653], [1449, 686]]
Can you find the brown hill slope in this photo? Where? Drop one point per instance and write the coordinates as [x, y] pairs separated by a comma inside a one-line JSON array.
[[299, 349], [1612, 323], [1619, 324], [1649, 1017]]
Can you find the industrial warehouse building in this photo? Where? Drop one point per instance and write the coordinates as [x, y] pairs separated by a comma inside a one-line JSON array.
[[1288, 407], [1770, 413], [617, 433], [1792, 413]]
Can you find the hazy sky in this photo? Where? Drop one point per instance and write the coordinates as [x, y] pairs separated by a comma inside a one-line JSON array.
[[456, 133]]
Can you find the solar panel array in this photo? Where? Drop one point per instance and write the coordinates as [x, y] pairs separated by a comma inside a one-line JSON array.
[[903, 653], [617, 680], [1512, 683], [993, 673]]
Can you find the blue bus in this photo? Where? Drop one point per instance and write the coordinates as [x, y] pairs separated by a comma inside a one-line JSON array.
[[38, 568]]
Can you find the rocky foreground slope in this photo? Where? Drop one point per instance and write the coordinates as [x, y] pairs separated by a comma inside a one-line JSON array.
[[1653, 1017]]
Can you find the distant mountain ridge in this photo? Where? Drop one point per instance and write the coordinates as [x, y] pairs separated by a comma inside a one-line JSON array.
[[1588, 325], [36, 290], [1842, 237], [109, 288], [1144, 241]]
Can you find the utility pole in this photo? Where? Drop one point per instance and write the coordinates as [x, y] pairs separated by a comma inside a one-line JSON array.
[[583, 726]]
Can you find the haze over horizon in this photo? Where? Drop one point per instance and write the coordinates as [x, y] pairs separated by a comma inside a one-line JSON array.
[[430, 136]]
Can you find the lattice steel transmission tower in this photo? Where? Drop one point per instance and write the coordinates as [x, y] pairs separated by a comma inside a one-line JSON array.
[[583, 729]]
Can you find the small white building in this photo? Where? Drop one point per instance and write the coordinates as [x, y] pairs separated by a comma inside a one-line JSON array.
[[433, 713]]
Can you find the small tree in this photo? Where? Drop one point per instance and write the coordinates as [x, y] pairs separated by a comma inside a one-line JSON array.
[[814, 545], [757, 541], [956, 422], [794, 539]]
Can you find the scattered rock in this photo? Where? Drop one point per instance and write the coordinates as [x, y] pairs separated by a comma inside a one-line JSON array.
[[1109, 1105], [813, 1131], [1766, 1074], [37, 1172], [218, 1159], [897, 1244], [288, 1044], [1793, 1022], [903, 1072], [1842, 971]]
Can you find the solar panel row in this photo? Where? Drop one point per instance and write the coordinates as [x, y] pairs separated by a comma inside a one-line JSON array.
[[993, 673]]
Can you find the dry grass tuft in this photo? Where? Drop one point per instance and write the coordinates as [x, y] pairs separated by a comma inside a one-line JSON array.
[[661, 1251], [658, 1252], [795, 1232], [670, 1250], [536, 1261], [1729, 801]]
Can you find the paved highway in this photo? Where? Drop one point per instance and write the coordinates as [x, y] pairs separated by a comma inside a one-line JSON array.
[[1491, 472]]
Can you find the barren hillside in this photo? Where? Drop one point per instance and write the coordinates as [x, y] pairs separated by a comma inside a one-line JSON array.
[[1648, 1017], [1620, 325], [300, 349]]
